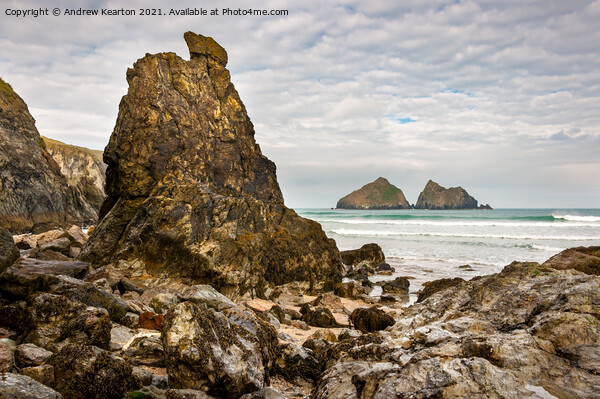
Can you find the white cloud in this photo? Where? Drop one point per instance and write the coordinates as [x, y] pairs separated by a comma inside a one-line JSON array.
[[490, 85]]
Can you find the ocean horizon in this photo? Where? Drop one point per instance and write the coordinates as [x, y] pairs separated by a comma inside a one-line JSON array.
[[431, 244]]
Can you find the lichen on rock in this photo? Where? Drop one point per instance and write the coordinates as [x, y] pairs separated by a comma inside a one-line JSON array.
[[190, 195]]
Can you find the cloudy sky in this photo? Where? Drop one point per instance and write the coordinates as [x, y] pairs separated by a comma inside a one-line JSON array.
[[500, 97]]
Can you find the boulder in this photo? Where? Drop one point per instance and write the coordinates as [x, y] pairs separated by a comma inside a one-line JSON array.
[[146, 349], [371, 254], [30, 355], [298, 365], [7, 354], [206, 295], [379, 194], [431, 287], [350, 290], [318, 316], [9, 252], [44, 374], [529, 331], [399, 285], [17, 386], [190, 195], [371, 319], [225, 354], [90, 372], [35, 194], [164, 301], [583, 259], [91, 295]]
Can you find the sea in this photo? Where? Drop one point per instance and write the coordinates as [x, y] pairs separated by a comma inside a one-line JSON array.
[[426, 245]]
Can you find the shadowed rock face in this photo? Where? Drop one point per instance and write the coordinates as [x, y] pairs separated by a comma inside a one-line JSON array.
[[379, 194], [190, 194], [34, 194], [435, 196]]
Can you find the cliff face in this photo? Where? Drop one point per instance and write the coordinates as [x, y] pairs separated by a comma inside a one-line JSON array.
[[34, 195], [83, 169], [380, 194], [435, 196], [190, 194]]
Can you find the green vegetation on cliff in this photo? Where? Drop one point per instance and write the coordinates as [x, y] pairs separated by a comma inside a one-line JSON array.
[[380, 194]]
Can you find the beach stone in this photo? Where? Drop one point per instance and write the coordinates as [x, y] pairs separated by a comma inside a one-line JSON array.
[[299, 324], [399, 285], [17, 386], [371, 319], [349, 334], [207, 295], [318, 316], [30, 355], [583, 259], [7, 354], [259, 305], [77, 237], [371, 254], [125, 285], [143, 376], [226, 353], [162, 302], [317, 345], [265, 393], [298, 365], [350, 290], [145, 348], [90, 372], [119, 336], [24, 241], [91, 295], [60, 245], [151, 321], [44, 374], [325, 334], [131, 320], [9, 252], [187, 394], [431, 287]]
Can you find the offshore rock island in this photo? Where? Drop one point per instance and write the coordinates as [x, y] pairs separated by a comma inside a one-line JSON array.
[[198, 282], [381, 194]]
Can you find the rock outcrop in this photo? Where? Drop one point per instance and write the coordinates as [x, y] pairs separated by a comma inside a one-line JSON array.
[[83, 169], [34, 194], [379, 194], [530, 331], [436, 197], [190, 195]]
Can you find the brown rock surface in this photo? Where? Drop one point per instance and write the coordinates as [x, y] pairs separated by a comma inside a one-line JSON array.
[[370, 254], [190, 194], [435, 196], [379, 194], [34, 194]]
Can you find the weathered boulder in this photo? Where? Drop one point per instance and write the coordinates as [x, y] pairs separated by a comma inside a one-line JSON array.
[[44, 374], [17, 386], [530, 331], [399, 285], [90, 372], [29, 355], [298, 365], [207, 296], [9, 252], [371, 319], [435, 196], [146, 348], [34, 194], [318, 316], [350, 290], [379, 194], [164, 301], [584, 259], [7, 354], [225, 354], [431, 287], [370, 254], [190, 194]]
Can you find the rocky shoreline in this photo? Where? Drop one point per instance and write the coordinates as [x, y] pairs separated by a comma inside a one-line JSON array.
[[69, 329]]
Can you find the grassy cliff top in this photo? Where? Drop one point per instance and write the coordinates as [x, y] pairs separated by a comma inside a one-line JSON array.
[[97, 154]]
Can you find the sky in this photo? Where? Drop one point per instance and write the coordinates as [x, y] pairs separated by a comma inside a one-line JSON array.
[[499, 97]]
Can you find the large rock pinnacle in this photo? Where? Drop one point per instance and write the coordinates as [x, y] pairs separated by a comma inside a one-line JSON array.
[[190, 194]]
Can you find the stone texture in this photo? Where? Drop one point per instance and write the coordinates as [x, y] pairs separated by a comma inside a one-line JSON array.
[[298, 365], [530, 331], [399, 285], [164, 301], [435, 196], [318, 316], [207, 296], [224, 354], [34, 194], [29, 355], [9, 252], [44, 374], [431, 287], [379, 194], [83, 169], [584, 259], [90, 372], [17, 386], [371, 319], [370, 254], [7, 354], [146, 349], [190, 194]]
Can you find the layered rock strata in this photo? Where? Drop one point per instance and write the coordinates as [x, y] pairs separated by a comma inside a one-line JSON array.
[[34, 194], [83, 169], [379, 194], [190, 194]]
